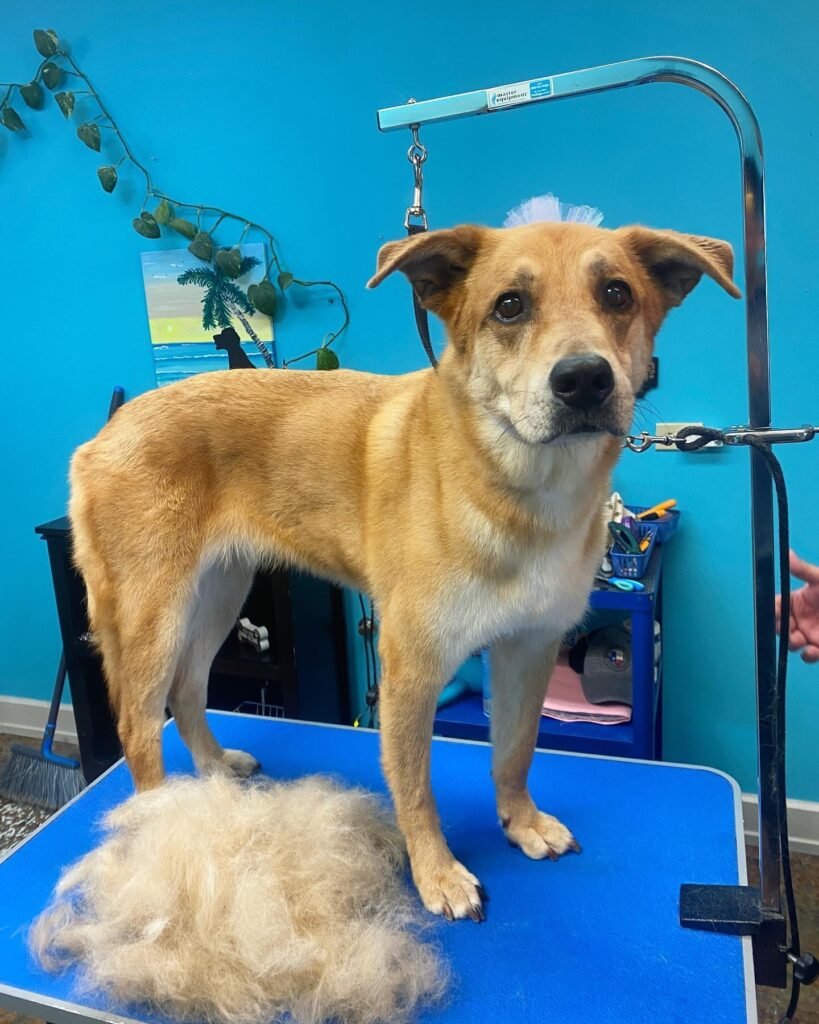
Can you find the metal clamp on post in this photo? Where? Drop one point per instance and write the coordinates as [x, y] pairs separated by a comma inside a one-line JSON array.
[[770, 435]]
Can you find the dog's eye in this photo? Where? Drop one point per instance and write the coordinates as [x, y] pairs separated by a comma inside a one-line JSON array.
[[617, 295], [509, 306]]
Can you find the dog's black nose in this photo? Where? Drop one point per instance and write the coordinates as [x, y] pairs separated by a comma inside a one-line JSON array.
[[581, 382]]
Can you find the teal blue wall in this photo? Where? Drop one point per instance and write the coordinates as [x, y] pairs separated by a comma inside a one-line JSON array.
[[270, 110]]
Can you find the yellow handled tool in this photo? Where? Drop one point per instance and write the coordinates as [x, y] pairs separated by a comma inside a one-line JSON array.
[[657, 511]]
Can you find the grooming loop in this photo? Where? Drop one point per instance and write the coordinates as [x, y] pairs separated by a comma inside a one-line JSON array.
[[417, 155], [770, 950]]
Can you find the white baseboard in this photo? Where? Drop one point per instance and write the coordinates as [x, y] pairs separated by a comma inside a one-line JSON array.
[[21, 716], [803, 823]]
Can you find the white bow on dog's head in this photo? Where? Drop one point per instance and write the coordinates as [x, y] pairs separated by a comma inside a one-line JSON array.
[[550, 208]]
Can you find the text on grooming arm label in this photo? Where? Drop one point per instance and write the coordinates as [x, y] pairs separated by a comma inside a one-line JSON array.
[[520, 92]]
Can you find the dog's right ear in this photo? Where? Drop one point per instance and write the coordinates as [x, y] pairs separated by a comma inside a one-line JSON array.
[[435, 262]]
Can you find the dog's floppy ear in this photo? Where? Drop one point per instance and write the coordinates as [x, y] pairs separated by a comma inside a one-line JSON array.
[[677, 261], [433, 261]]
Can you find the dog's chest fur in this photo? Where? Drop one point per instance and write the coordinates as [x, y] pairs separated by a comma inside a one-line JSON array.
[[549, 591], [510, 586]]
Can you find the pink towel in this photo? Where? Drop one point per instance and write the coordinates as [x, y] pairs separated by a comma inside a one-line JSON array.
[[566, 702]]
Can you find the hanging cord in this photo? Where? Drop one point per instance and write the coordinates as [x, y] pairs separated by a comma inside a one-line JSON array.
[[415, 222], [688, 440]]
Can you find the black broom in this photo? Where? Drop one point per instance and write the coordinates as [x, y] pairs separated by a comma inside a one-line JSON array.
[[41, 777]]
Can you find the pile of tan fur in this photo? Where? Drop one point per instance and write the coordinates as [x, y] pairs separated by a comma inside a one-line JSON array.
[[216, 901]]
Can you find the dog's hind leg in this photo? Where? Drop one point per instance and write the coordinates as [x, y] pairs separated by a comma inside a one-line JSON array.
[[521, 668], [148, 651], [221, 591], [155, 599]]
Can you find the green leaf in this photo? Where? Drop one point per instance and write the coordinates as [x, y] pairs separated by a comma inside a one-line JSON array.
[[229, 261], [108, 177], [285, 280], [184, 227], [11, 119], [202, 246], [326, 359], [65, 101], [52, 75], [163, 214], [263, 297], [89, 133], [46, 41], [145, 225], [33, 95]]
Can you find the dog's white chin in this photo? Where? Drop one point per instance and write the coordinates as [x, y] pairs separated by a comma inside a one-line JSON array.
[[571, 440]]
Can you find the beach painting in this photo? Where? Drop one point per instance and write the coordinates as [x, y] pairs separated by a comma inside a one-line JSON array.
[[177, 313]]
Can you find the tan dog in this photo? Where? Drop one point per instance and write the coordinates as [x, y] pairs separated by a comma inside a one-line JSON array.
[[467, 502]]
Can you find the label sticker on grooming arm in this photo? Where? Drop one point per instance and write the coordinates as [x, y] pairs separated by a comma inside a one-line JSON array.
[[520, 92]]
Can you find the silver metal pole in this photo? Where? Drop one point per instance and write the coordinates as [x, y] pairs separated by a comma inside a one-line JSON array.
[[720, 89]]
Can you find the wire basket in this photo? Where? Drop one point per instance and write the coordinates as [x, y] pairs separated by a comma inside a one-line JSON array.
[[255, 707], [633, 567]]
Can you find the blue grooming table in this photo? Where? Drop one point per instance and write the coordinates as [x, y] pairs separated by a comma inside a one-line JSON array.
[[591, 939]]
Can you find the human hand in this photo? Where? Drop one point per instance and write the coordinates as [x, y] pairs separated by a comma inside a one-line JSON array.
[[803, 632]]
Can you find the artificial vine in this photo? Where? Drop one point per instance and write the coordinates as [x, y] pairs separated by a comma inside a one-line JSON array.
[[58, 65]]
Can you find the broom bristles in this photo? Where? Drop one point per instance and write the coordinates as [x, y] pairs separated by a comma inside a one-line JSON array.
[[30, 778]]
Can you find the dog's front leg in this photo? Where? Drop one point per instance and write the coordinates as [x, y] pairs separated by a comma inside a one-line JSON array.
[[521, 668], [409, 693]]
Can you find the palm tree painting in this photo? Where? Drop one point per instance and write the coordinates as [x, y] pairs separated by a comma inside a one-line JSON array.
[[194, 306], [224, 299]]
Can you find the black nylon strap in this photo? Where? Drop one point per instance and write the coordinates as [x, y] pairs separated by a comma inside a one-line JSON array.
[[421, 315]]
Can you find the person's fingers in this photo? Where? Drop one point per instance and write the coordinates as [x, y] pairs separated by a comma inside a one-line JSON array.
[[810, 655], [803, 570], [777, 611], [796, 641]]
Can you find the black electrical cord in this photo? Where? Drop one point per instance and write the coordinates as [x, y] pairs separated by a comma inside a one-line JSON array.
[[372, 643], [691, 439], [373, 692], [366, 629], [363, 631]]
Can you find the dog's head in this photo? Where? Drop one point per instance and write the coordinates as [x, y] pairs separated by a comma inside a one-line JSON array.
[[228, 338], [552, 326]]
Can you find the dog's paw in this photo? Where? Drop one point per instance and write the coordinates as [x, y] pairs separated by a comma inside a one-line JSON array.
[[239, 763], [452, 891], [540, 835]]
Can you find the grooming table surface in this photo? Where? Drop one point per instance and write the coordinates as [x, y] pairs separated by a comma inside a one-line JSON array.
[[591, 939]]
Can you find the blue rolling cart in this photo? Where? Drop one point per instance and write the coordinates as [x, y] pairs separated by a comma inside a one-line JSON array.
[[642, 736]]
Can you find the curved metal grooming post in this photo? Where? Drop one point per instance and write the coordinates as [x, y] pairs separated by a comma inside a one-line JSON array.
[[715, 85]]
